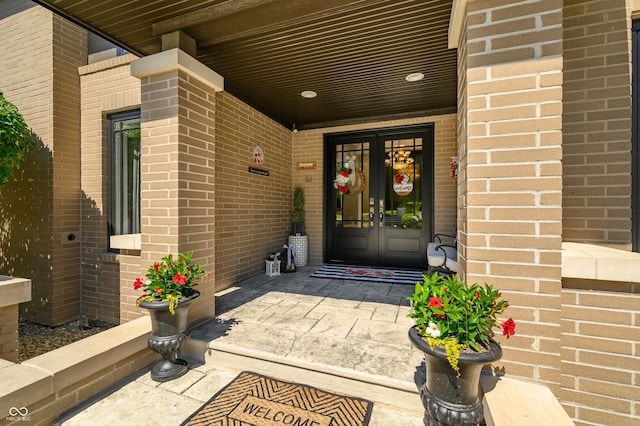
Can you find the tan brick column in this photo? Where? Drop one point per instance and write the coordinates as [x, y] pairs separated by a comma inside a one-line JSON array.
[[177, 164], [40, 206], [510, 180]]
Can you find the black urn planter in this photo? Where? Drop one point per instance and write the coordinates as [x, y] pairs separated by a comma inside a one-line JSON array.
[[168, 333], [449, 399]]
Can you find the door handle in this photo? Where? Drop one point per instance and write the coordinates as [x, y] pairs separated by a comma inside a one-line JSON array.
[[381, 210], [372, 214]]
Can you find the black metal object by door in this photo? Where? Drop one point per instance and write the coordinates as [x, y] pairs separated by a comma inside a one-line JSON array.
[[379, 196]]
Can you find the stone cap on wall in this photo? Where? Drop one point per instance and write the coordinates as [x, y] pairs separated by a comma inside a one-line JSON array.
[[14, 290], [590, 261]]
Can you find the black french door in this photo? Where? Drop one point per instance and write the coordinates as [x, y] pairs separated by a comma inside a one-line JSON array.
[[379, 196]]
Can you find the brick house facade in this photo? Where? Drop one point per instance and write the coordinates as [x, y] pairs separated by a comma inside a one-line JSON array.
[[542, 132]]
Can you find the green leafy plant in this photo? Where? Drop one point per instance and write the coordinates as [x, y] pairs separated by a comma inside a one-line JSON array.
[[14, 139], [450, 313], [410, 220], [298, 203], [170, 280]]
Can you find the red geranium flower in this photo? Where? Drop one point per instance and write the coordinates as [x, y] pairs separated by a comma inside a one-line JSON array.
[[180, 279], [509, 327], [156, 266], [138, 284], [158, 290], [435, 302]]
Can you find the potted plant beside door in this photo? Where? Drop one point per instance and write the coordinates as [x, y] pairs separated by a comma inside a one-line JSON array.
[[168, 291], [453, 327], [298, 240]]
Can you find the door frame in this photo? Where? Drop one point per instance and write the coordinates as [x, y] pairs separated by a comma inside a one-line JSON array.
[[428, 188]]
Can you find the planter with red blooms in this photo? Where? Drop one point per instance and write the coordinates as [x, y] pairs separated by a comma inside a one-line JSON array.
[[454, 323], [168, 293], [169, 331]]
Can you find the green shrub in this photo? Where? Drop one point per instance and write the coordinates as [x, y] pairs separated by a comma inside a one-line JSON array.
[[298, 202], [14, 139]]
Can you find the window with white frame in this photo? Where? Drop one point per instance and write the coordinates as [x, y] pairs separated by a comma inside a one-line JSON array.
[[123, 212]]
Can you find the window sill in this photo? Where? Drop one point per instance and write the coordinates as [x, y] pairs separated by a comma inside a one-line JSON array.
[[590, 261], [125, 242]]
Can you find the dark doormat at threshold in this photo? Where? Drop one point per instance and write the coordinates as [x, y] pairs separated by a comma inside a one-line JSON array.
[[254, 399], [364, 273]]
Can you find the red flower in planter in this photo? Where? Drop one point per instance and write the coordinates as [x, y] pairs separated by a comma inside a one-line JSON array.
[[138, 284], [435, 302], [180, 279], [509, 327], [170, 280], [456, 315]]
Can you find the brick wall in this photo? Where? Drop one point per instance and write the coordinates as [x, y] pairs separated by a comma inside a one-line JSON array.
[[600, 372], [597, 123], [107, 87], [600, 351], [308, 146], [177, 182], [69, 52], [584, 347], [243, 200], [461, 217], [40, 207], [511, 185], [9, 333], [24, 235], [252, 211]]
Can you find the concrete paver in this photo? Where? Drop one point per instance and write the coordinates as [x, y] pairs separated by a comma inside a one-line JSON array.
[[303, 322]]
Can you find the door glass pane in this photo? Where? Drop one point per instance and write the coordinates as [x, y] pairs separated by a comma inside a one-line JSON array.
[[403, 186], [351, 184]]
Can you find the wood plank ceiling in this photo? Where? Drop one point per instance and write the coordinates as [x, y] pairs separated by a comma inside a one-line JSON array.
[[354, 53]]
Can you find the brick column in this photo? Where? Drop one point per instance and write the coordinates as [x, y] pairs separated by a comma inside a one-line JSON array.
[[40, 206], [510, 180], [177, 165]]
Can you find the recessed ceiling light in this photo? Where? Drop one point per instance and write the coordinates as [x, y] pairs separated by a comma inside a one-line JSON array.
[[416, 76], [308, 94]]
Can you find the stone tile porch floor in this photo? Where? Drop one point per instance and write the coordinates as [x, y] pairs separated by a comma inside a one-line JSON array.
[[342, 336]]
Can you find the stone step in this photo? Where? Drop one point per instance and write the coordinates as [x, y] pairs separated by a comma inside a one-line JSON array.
[[389, 392]]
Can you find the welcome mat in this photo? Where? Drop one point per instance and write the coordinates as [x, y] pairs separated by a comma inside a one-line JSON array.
[[254, 399], [361, 273]]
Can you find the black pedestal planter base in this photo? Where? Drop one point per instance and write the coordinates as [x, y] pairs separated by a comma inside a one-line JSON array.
[[168, 333], [450, 399], [171, 367], [440, 412]]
